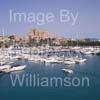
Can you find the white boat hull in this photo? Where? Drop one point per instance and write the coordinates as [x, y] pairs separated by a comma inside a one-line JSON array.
[[68, 71]]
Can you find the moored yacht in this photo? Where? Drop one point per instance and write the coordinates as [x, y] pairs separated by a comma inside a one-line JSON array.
[[86, 51], [50, 60], [69, 61], [14, 68], [3, 67], [79, 59]]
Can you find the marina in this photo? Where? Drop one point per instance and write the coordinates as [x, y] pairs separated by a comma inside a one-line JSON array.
[[51, 55], [90, 68]]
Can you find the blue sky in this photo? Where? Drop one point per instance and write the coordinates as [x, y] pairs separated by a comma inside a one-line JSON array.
[[86, 26]]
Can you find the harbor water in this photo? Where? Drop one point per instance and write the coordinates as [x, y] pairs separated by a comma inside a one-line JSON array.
[[90, 69]]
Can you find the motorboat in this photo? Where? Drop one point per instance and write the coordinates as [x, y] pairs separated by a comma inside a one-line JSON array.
[[50, 60], [14, 68], [3, 67], [69, 71], [53, 59], [79, 59], [86, 51], [69, 62], [17, 68]]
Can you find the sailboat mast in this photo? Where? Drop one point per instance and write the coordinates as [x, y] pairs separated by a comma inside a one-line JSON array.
[[3, 38]]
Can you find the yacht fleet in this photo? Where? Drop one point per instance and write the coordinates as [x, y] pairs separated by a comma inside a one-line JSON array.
[[44, 55]]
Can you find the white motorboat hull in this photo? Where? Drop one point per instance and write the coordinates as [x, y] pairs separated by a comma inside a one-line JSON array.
[[13, 69], [69, 62], [5, 67], [68, 71]]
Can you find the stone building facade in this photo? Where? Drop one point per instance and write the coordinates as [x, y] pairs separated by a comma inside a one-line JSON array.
[[39, 34]]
